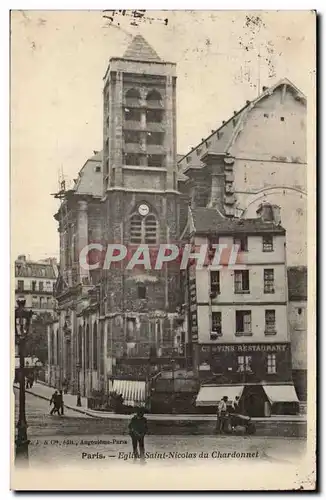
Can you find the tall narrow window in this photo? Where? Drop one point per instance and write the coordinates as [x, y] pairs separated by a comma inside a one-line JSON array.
[[241, 282], [216, 324], [20, 285], [40, 286], [269, 281], [150, 229], [243, 322], [268, 243], [215, 282], [271, 363], [33, 286], [242, 242], [141, 291], [270, 328], [136, 229]]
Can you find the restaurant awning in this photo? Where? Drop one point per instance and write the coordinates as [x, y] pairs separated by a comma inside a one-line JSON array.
[[210, 395], [281, 393], [133, 391]]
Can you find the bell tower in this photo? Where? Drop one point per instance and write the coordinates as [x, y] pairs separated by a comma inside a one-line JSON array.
[[141, 201]]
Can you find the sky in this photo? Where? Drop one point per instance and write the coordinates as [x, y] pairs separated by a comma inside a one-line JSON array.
[[58, 61]]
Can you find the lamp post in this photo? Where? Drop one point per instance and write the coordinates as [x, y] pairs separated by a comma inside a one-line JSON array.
[[78, 384], [22, 324]]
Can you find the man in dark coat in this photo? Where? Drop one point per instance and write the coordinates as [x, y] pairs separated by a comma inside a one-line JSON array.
[[60, 402], [55, 401], [137, 430]]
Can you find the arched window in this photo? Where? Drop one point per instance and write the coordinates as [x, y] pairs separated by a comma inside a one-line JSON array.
[[150, 229], [95, 347], [133, 94], [153, 95], [136, 229], [143, 229], [80, 345]]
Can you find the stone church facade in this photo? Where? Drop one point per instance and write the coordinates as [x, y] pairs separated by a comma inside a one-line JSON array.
[[119, 324]]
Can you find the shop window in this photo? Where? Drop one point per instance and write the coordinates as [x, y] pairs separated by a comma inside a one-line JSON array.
[[271, 363], [215, 282], [244, 364], [216, 324], [241, 282], [268, 243], [242, 242], [243, 322], [269, 281], [270, 327]]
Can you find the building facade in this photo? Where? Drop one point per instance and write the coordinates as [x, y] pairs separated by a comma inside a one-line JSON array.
[[117, 323], [35, 283], [297, 280], [238, 326]]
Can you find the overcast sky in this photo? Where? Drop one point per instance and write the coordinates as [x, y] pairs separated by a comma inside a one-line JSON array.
[[57, 66]]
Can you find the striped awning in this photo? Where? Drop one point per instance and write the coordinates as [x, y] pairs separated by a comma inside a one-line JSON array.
[[133, 391]]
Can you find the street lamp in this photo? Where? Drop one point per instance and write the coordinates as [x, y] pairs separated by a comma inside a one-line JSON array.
[[78, 385], [22, 324]]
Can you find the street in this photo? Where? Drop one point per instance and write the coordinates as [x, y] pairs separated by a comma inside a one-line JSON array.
[[76, 438]]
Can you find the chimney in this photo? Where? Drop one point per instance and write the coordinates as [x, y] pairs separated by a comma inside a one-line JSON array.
[[269, 213], [22, 257]]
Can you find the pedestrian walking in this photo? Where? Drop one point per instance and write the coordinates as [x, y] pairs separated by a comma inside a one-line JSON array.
[[60, 402], [55, 401], [137, 431], [223, 415]]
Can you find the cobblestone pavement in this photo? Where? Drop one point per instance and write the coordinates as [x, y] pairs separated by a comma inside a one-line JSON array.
[[75, 438]]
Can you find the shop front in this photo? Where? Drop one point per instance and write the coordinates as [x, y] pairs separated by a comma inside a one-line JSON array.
[[258, 373]]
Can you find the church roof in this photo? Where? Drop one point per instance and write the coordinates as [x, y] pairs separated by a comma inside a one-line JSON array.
[[228, 132], [140, 50]]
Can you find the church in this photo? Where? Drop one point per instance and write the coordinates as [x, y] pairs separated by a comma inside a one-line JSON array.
[[118, 329]]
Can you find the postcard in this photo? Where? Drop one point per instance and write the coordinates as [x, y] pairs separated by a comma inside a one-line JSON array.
[[163, 180]]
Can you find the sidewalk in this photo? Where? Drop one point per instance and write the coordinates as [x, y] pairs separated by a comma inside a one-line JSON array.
[[44, 391]]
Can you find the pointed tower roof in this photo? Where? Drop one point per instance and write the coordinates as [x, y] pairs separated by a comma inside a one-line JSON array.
[[140, 50]]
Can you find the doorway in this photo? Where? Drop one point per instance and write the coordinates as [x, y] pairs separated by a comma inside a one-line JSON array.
[[253, 401]]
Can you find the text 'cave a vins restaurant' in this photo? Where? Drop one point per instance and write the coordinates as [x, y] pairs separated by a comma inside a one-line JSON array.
[[259, 374]]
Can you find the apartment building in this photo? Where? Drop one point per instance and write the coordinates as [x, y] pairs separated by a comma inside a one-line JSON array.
[[238, 311]]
